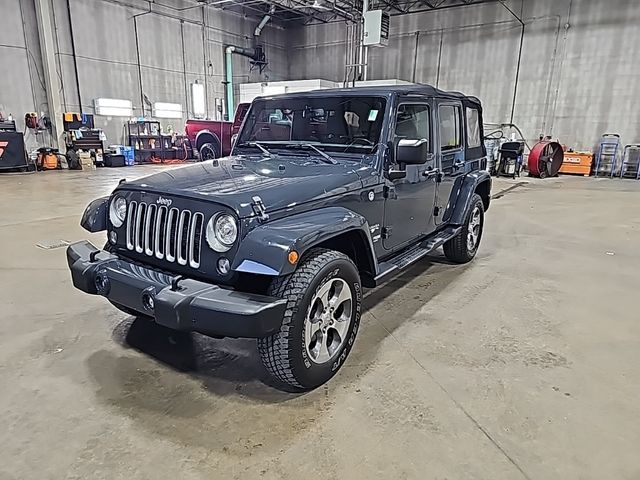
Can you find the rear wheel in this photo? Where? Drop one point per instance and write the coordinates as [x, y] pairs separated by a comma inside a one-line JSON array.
[[464, 246], [320, 323], [209, 151]]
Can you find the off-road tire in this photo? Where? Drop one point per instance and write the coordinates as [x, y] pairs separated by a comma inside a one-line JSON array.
[[284, 354], [209, 151], [456, 249]]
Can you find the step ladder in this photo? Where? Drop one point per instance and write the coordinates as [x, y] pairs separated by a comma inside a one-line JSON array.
[[630, 167], [608, 155]]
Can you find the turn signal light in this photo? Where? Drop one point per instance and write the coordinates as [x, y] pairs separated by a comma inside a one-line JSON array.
[[293, 257]]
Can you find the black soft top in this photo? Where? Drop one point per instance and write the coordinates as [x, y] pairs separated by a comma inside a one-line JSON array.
[[386, 91]]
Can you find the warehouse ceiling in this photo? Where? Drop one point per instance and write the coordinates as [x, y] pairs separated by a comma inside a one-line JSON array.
[[308, 12]]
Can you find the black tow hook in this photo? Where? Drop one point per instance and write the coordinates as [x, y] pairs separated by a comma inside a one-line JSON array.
[[174, 283]]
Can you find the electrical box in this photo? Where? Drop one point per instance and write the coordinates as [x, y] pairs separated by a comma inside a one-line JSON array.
[[376, 28]]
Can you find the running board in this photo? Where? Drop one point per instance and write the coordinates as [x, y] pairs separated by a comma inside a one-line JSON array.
[[413, 254]]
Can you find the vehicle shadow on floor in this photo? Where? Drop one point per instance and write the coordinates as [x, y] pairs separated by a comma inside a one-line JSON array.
[[184, 386], [233, 367]]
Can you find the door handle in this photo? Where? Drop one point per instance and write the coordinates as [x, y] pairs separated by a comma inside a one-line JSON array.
[[431, 173], [458, 164]]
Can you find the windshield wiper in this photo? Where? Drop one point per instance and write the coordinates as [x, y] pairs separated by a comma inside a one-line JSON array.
[[325, 156], [257, 145]]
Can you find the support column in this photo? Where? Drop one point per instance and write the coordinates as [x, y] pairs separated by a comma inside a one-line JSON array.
[[46, 33]]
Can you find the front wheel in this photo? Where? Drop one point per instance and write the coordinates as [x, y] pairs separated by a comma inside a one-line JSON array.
[[324, 300], [464, 246]]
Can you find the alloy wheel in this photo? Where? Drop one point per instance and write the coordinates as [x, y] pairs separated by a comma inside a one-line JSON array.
[[328, 320]]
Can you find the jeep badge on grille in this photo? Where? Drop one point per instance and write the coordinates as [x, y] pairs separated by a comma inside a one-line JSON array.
[[164, 201]]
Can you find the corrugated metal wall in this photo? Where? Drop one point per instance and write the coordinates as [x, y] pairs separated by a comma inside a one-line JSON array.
[[575, 83]]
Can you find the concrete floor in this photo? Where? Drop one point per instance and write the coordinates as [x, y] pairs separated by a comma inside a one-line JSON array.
[[524, 364]]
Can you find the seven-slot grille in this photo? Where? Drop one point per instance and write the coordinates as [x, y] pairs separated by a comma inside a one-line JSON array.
[[166, 233]]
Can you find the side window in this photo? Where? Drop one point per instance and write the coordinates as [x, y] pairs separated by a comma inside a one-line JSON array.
[[413, 122], [449, 127], [473, 128]]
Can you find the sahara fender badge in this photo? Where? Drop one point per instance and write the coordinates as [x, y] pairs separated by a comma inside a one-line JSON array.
[[371, 196], [259, 209]]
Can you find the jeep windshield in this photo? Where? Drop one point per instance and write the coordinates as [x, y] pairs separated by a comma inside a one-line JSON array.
[[337, 124]]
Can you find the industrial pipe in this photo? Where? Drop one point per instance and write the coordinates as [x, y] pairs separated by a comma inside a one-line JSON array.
[[228, 60], [515, 85], [73, 54], [264, 21], [139, 61], [252, 53]]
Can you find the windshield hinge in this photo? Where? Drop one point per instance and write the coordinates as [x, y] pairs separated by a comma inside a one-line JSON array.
[[436, 211], [259, 209]]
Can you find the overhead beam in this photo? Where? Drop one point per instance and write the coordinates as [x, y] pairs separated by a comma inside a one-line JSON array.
[[433, 6]]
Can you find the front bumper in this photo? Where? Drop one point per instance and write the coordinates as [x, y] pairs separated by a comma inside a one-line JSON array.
[[181, 304]]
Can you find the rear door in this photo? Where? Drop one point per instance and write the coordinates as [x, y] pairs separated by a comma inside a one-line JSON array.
[[409, 206], [450, 151]]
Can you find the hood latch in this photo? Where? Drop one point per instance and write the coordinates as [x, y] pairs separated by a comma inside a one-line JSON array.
[[259, 209]]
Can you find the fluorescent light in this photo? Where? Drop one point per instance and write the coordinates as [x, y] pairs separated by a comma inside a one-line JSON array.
[[113, 107], [114, 112], [198, 100], [167, 110], [274, 89], [167, 114], [113, 102]]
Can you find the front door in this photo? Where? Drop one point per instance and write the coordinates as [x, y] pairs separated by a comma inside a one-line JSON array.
[[451, 152], [408, 211]]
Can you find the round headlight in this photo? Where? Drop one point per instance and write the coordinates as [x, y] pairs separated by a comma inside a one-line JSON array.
[[117, 211], [222, 232]]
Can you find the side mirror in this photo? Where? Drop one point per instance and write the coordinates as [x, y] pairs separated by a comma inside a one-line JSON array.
[[412, 152]]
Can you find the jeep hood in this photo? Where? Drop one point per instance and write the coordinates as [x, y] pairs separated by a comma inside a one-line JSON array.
[[280, 182]]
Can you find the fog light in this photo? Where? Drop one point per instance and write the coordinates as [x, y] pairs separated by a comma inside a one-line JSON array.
[[147, 301], [224, 265], [102, 283], [113, 237]]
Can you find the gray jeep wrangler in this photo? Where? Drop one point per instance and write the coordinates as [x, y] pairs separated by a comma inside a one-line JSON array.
[[324, 193]]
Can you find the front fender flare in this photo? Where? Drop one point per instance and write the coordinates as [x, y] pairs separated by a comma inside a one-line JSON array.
[[467, 189], [265, 249], [94, 218]]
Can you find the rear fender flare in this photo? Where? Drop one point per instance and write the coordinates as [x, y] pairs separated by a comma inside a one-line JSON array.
[[94, 218], [467, 189], [202, 137], [264, 250]]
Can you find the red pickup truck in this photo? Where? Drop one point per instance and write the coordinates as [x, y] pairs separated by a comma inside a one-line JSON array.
[[213, 138]]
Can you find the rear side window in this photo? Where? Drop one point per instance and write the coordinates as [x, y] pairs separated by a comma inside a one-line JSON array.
[[413, 122], [449, 127], [473, 128]]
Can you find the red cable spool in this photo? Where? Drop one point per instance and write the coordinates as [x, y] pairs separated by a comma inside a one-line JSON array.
[[545, 159]]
